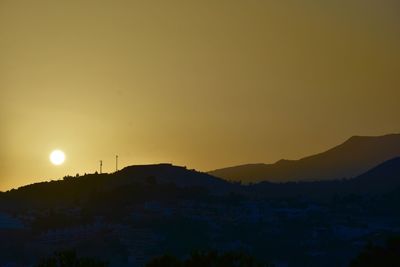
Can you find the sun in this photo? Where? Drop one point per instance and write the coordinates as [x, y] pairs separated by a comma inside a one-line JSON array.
[[57, 157]]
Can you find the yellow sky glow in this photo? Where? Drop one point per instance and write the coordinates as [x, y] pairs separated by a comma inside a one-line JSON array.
[[205, 84]]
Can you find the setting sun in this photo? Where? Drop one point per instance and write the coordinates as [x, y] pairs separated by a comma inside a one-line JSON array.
[[57, 157]]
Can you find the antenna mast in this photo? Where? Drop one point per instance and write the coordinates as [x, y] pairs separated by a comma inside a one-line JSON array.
[[116, 163], [101, 166]]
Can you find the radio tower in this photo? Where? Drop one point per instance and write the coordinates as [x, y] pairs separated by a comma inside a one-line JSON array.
[[101, 166], [116, 163]]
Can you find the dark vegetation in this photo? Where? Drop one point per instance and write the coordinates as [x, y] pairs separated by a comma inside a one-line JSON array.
[[209, 258], [387, 255], [69, 258]]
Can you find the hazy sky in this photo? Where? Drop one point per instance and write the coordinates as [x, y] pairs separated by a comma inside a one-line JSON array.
[[205, 84]]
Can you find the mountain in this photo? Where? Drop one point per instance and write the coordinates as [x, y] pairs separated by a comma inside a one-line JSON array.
[[382, 179], [349, 159]]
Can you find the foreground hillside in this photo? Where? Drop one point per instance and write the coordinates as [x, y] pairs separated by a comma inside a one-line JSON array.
[[352, 158]]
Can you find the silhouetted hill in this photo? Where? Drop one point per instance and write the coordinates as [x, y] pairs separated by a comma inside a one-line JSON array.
[[150, 209], [161, 182], [167, 173], [134, 183], [355, 156], [383, 179]]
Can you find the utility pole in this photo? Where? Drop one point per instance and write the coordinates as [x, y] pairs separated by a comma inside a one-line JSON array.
[[101, 166], [116, 163]]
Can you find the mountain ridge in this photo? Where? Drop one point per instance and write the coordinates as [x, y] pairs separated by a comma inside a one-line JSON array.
[[349, 159], [138, 179], [381, 179]]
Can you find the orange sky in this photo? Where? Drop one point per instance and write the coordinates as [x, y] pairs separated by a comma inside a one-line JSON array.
[[205, 84]]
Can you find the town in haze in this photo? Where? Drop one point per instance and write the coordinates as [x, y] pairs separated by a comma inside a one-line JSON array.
[[176, 133]]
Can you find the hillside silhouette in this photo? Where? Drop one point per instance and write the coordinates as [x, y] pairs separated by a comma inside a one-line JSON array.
[[140, 183], [129, 217], [382, 179], [131, 184], [349, 159], [168, 173]]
